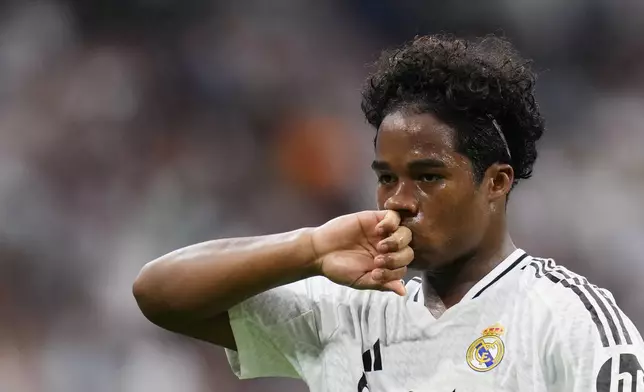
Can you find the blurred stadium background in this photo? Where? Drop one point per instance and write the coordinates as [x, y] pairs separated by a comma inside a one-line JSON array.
[[131, 127]]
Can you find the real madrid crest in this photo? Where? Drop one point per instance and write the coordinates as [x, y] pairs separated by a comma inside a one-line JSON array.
[[487, 351]]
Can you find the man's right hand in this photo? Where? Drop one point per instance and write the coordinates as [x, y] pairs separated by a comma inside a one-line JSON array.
[[366, 250]]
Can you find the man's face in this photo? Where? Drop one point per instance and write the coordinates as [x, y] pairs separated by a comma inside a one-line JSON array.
[[421, 176]]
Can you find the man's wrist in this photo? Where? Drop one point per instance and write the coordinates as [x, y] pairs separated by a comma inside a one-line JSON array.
[[311, 260]]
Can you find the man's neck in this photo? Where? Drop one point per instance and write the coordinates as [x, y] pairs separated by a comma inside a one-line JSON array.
[[444, 289]]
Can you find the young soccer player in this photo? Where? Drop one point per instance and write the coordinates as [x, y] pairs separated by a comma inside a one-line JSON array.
[[456, 125]]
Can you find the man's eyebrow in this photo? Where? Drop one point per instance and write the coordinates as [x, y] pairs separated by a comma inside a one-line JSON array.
[[380, 165], [418, 164]]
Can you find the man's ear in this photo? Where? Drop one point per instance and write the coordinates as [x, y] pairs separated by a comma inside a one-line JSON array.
[[499, 178]]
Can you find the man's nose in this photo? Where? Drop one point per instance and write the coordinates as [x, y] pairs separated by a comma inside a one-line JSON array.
[[403, 200]]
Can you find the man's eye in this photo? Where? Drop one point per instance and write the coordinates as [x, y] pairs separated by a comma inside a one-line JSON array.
[[386, 179], [429, 177]]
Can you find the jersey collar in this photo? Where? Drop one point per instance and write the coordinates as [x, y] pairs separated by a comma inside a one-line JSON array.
[[512, 262]]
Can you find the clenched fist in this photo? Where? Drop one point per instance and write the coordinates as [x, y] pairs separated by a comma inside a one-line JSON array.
[[365, 250]]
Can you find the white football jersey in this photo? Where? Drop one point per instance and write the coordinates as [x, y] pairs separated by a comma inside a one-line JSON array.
[[529, 325]]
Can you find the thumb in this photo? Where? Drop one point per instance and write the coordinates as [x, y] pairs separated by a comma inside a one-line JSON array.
[[380, 214], [396, 286], [389, 222]]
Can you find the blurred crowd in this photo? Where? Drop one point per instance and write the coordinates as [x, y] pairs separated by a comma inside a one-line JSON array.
[[131, 128]]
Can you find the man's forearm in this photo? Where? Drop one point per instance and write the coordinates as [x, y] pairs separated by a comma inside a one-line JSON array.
[[206, 279]]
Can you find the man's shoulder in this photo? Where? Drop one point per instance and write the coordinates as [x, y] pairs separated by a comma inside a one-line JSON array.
[[562, 290], [572, 302]]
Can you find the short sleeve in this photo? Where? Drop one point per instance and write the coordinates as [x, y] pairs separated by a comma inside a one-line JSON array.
[[279, 331], [598, 349]]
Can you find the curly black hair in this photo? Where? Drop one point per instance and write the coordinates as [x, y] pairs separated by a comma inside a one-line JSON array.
[[470, 85]]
